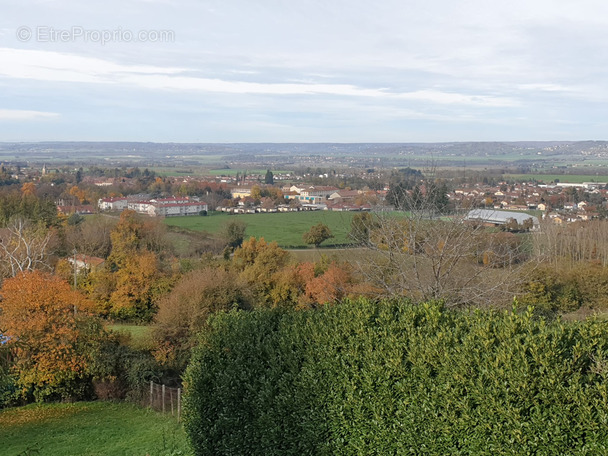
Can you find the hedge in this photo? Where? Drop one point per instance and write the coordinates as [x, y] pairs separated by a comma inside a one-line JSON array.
[[392, 378]]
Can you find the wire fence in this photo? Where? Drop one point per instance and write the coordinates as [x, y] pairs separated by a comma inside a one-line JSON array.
[[166, 399]]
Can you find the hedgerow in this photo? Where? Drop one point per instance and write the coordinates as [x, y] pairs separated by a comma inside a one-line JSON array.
[[382, 378]]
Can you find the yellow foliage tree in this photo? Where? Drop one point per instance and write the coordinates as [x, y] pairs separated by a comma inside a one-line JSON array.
[[28, 189], [258, 262]]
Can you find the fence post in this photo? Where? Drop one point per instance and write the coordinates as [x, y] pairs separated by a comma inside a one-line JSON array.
[[151, 393], [179, 403], [163, 389], [171, 399]]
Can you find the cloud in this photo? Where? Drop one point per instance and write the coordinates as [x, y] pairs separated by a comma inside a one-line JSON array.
[[61, 67], [23, 115]]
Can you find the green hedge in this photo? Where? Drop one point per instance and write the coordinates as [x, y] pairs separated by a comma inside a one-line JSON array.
[[388, 378]]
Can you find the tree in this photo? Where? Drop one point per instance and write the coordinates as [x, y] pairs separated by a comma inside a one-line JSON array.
[[425, 255], [126, 238], [269, 178], [28, 189], [233, 233], [258, 263], [317, 234], [184, 312], [51, 333], [24, 247], [136, 286], [91, 237], [360, 227], [256, 193], [131, 279], [330, 285]]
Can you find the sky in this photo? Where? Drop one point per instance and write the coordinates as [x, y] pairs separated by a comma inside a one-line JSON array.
[[303, 71]]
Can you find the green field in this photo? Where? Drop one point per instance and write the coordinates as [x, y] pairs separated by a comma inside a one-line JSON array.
[[139, 336], [179, 171], [89, 429], [284, 228], [569, 178], [233, 172]]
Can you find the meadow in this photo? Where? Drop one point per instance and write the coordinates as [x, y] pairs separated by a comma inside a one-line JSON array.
[[138, 337], [284, 228], [548, 178], [234, 172], [89, 429]]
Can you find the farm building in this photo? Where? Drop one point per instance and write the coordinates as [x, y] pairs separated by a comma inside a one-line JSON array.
[[493, 217]]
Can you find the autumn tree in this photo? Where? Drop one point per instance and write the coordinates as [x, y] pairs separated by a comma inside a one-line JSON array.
[[137, 285], [258, 262], [288, 288], [51, 333], [325, 285], [28, 189], [126, 238], [131, 279], [183, 312], [317, 234], [256, 193]]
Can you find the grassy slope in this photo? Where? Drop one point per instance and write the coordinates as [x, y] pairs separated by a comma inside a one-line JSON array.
[[89, 429], [140, 337], [284, 228]]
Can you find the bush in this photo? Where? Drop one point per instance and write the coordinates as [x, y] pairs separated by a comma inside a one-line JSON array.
[[122, 372], [364, 377]]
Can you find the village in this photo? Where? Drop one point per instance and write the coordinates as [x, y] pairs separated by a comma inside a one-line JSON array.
[[558, 202]]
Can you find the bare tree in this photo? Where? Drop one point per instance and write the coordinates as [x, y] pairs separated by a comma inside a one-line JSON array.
[[429, 251], [91, 237], [568, 244], [23, 247]]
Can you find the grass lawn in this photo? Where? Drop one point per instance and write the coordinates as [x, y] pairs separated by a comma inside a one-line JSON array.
[[89, 429], [284, 228], [140, 337]]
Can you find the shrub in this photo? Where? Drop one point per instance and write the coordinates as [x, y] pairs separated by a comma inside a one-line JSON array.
[[365, 377]]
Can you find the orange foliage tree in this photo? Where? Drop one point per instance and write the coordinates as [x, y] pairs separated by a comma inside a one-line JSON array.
[[325, 283], [51, 333], [28, 189]]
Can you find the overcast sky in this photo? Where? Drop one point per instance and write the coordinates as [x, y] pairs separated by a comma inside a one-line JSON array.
[[303, 71]]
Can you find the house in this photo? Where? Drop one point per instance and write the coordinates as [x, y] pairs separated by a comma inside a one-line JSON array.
[[85, 262], [80, 209], [112, 204], [240, 192], [316, 194]]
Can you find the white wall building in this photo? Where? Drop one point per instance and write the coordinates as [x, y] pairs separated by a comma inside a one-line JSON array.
[[112, 204]]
